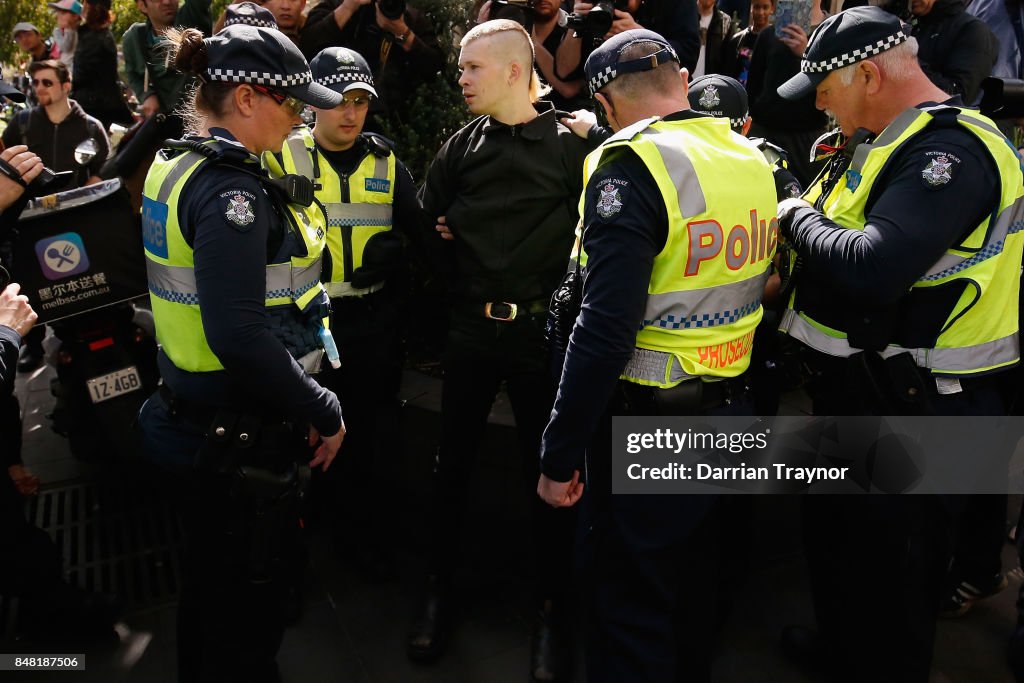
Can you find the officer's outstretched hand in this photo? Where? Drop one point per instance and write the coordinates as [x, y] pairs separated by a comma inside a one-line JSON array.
[[443, 230], [560, 494], [328, 448]]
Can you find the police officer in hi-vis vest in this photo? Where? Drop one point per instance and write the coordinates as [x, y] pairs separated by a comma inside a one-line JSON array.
[[367, 193], [666, 328], [234, 264], [906, 304]]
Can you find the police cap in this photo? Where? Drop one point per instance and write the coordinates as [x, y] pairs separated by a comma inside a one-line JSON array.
[[249, 13], [603, 65], [841, 40], [341, 70], [264, 56], [720, 96]]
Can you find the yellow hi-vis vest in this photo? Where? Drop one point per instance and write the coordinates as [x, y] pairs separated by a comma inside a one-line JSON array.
[[980, 333], [704, 298], [359, 205], [170, 267]]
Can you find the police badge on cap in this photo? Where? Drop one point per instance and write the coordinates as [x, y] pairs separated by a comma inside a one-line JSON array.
[[341, 70]]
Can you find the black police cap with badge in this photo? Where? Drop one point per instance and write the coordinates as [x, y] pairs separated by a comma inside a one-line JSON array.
[[341, 70], [843, 39], [256, 55], [249, 13], [722, 97], [604, 64]]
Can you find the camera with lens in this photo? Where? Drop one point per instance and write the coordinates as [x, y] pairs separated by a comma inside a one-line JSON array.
[[517, 10], [46, 182], [392, 9], [598, 21]]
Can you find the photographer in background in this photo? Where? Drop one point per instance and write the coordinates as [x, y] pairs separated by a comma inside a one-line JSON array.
[[397, 40], [676, 20]]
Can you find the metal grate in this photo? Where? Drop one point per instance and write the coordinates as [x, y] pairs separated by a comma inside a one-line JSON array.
[[119, 539]]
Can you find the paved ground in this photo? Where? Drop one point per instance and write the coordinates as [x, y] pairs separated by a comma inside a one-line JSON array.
[[353, 631]]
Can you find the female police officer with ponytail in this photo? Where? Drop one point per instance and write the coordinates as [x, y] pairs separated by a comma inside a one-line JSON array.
[[234, 263]]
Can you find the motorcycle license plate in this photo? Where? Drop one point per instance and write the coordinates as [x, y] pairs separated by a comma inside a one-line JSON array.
[[123, 381]]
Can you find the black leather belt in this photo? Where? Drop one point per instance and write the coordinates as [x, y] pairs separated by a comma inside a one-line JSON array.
[[507, 311]]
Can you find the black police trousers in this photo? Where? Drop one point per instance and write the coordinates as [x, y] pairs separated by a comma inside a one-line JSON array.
[[480, 355], [654, 568], [877, 563], [368, 332]]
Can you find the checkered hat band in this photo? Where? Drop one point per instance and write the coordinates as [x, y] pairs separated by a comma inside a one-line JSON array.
[[602, 78], [258, 77], [345, 76], [858, 55], [250, 21]]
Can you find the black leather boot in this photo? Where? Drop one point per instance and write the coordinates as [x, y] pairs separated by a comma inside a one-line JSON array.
[[550, 657], [432, 627]]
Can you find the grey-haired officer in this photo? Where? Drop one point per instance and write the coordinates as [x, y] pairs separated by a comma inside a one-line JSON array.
[[369, 196], [907, 304], [658, 334], [234, 275]]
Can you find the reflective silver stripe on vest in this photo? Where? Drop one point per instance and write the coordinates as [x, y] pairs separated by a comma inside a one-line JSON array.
[[302, 160], [284, 281], [380, 168], [177, 284], [1009, 222], [344, 215], [681, 170], [654, 366], [963, 359], [709, 307], [337, 290], [181, 168]]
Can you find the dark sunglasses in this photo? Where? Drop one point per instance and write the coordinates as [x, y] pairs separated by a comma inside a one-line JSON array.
[[357, 102], [46, 82], [292, 104]]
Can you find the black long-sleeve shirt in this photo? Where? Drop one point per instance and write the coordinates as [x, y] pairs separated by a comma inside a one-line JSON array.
[[510, 196], [230, 264]]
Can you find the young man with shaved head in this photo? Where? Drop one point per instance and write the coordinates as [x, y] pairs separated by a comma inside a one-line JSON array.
[[504, 190]]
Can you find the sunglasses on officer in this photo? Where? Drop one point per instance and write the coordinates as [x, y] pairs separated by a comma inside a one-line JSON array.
[[293, 105], [358, 102]]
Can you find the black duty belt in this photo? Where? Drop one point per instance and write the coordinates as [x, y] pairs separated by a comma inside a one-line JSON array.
[[507, 311], [691, 397], [196, 414]]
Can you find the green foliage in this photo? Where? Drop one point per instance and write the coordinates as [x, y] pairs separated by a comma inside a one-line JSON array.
[[438, 108], [36, 12]]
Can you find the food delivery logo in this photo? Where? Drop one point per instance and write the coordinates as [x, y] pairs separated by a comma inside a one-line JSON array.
[[62, 255]]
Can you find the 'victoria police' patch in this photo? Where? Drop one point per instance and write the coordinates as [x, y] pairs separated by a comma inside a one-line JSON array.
[[940, 167], [378, 185], [239, 209], [609, 202]]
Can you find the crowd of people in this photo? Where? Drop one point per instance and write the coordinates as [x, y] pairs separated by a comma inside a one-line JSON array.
[[586, 271]]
